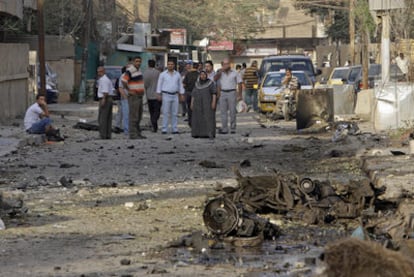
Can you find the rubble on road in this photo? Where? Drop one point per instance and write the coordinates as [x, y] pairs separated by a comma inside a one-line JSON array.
[[391, 174], [286, 193], [354, 257], [89, 126], [343, 129], [11, 203], [232, 212]]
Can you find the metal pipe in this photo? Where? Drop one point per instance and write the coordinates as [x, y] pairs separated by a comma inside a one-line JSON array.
[[41, 38]]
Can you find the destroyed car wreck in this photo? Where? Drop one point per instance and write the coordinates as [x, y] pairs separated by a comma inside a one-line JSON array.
[[232, 213]]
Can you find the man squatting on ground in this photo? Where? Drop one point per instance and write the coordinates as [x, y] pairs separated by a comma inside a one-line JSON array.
[[133, 81], [36, 119], [105, 94], [169, 89]]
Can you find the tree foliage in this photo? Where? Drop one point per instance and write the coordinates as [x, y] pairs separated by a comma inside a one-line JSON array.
[[219, 19], [338, 30], [403, 21]]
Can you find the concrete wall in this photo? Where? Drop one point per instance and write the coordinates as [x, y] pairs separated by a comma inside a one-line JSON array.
[[65, 70], [59, 54], [56, 48], [14, 93], [12, 7]]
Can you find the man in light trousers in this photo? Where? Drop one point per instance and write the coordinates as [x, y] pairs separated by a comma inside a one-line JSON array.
[[230, 91], [170, 91]]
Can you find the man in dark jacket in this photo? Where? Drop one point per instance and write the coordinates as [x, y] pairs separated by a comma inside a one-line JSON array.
[[188, 83], [151, 76]]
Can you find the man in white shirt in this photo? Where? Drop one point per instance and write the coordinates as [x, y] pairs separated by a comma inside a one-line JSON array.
[[36, 119], [105, 93], [229, 92], [169, 89], [402, 63]]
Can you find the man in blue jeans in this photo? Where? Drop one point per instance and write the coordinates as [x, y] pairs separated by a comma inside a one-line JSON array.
[[36, 120], [122, 117]]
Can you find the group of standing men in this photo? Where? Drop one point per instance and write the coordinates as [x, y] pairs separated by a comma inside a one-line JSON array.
[[131, 87], [164, 90]]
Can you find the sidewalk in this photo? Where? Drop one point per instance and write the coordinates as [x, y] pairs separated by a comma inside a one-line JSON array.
[[12, 136]]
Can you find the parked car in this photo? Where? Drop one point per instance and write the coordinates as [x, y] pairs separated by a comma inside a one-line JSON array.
[[52, 92], [339, 76], [374, 75], [271, 88], [295, 62]]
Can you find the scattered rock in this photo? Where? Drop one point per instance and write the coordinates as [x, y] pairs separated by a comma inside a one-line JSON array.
[[124, 237], [258, 145], [397, 153], [125, 262], [293, 148], [67, 183], [181, 264], [334, 153], [41, 180], [309, 261], [209, 164], [12, 203], [245, 163], [129, 205], [158, 270], [166, 153], [142, 207], [66, 165]]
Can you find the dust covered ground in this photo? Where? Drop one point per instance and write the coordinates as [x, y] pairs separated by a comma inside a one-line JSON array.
[[115, 207]]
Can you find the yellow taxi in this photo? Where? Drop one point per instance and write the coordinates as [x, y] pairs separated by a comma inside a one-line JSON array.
[[271, 88]]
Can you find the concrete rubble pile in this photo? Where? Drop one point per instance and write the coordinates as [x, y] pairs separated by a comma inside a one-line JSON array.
[[11, 204], [233, 211]]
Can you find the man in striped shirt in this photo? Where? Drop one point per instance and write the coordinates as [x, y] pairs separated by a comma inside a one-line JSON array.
[[133, 81], [250, 78]]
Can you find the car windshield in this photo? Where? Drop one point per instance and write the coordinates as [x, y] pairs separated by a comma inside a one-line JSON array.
[[353, 75], [296, 64], [375, 70], [302, 78], [275, 79], [395, 70], [340, 73]]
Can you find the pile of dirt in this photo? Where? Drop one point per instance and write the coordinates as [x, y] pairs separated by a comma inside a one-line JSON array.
[[357, 258]]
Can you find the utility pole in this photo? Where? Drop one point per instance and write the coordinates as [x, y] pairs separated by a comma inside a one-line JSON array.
[[385, 47], [87, 8], [41, 38], [136, 12], [352, 30]]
